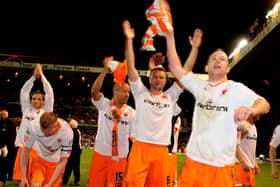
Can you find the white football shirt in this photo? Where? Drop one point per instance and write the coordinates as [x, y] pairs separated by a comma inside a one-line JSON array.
[[103, 141], [275, 139], [154, 113], [248, 144], [28, 112], [214, 132], [51, 148]]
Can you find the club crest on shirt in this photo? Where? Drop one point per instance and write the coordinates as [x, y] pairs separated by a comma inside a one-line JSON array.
[[25, 138], [163, 97], [59, 140], [224, 91], [125, 114]]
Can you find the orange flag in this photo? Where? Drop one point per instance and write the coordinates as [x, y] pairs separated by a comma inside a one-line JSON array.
[[119, 71]]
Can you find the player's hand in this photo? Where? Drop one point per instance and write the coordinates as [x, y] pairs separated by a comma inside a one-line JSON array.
[[40, 69], [4, 152], [245, 167], [24, 183], [105, 62], [196, 40], [127, 30], [243, 113], [257, 170], [36, 73], [158, 58]]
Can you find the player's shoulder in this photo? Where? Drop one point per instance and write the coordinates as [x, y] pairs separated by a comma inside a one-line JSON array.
[[237, 84], [65, 125], [277, 128], [130, 109]]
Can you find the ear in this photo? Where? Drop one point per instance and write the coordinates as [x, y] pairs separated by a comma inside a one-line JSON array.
[[228, 69], [206, 68], [150, 78]]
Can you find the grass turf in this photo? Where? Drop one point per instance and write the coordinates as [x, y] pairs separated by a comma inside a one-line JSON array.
[[262, 180]]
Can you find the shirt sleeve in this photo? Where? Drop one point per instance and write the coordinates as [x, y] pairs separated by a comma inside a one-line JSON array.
[[101, 103], [275, 139], [175, 90], [66, 146], [25, 93], [49, 96], [248, 96], [192, 83], [137, 87]]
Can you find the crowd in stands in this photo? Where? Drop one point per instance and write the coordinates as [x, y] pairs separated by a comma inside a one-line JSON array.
[[81, 109]]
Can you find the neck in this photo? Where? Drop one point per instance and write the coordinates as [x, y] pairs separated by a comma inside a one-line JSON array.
[[118, 104], [216, 79], [155, 91]]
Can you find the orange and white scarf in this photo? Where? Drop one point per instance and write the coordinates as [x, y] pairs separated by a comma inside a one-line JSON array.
[[161, 22], [116, 113]]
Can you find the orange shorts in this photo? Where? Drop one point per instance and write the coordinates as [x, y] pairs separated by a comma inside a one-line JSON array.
[[148, 165], [103, 170], [244, 178], [42, 171], [16, 174], [198, 174], [172, 171]]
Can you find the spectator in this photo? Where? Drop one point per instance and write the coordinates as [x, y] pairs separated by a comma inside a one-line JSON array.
[[7, 138], [73, 163]]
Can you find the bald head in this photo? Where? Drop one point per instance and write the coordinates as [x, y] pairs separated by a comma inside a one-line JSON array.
[[121, 94]]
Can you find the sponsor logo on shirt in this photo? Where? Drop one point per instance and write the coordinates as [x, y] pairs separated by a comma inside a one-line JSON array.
[[251, 137], [121, 122], [156, 104], [29, 118], [210, 106]]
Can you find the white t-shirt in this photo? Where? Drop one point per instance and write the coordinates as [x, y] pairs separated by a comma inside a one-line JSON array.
[[154, 113], [248, 144], [103, 141], [214, 133], [28, 112], [275, 139], [51, 148]]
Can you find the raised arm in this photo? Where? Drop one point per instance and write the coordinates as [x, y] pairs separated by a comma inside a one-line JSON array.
[[49, 96], [195, 42], [26, 89], [174, 62], [96, 86], [129, 51]]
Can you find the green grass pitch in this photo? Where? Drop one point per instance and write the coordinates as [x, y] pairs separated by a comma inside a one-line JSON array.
[[262, 180]]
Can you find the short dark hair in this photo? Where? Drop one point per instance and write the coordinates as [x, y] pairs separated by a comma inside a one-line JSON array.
[[37, 92], [160, 68]]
